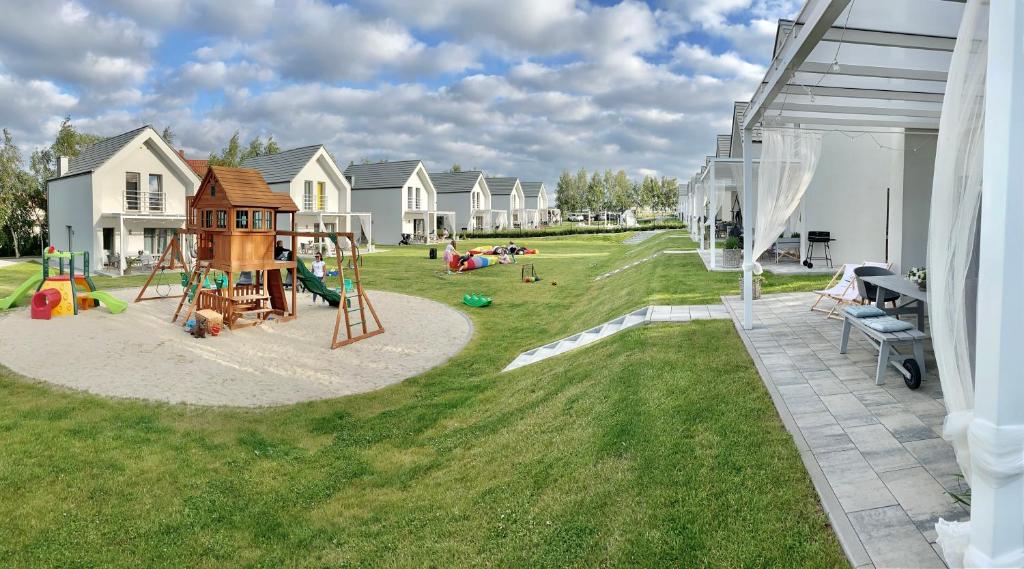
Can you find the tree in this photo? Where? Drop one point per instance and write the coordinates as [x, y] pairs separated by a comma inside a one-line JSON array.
[[19, 197], [455, 169], [594, 196], [168, 135], [567, 195], [582, 181], [272, 147], [669, 193], [255, 148], [230, 155], [620, 192]]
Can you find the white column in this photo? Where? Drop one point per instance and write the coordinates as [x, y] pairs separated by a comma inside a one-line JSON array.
[[748, 230], [997, 487], [714, 208], [120, 235]]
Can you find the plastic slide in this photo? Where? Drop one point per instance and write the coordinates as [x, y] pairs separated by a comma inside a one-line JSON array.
[[29, 285], [476, 300], [114, 305], [314, 284]]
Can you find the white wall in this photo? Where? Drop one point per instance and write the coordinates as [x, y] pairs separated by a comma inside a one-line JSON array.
[[70, 203], [460, 203], [848, 195], [918, 171], [141, 156], [386, 207]]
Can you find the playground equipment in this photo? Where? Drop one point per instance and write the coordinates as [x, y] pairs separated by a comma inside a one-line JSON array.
[[234, 217], [476, 300], [475, 262], [529, 274], [64, 293]]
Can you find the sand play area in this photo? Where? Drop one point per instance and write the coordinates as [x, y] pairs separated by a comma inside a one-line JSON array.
[[140, 354]]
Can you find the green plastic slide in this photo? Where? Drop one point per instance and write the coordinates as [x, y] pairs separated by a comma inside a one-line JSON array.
[[24, 288], [114, 305], [314, 284], [476, 300]]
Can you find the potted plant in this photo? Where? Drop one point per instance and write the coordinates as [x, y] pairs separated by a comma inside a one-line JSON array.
[[732, 253], [918, 275], [756, 285]]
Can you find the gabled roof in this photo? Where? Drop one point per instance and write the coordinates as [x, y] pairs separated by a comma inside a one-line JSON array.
[[95, 155], [283, 166], [532, 189], [381, 174], [501, 186], [200, 167], [724, 146], [245, 187], [455, 182]]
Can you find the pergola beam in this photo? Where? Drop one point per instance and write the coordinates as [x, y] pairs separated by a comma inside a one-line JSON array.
[[820, 107], [822, 68], [844, 119], [886, 39], [818, 17], [857, 93]]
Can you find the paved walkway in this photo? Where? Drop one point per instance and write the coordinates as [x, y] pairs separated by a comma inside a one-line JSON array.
[[670, 313], [785, 268], [641, 236], [874, 453], [644, 260]]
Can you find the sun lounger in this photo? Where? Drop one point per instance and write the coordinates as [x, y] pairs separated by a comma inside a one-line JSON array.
[[842, 289]]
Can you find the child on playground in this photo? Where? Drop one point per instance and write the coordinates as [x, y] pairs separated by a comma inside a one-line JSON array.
[[319, 271]]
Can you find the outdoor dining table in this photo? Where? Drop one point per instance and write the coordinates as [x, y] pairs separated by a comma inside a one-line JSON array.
[[904, 287]]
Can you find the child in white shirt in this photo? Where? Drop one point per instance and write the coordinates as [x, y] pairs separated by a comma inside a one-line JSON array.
[[319, 271]]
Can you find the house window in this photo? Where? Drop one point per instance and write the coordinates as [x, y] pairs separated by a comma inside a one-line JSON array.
[[418, 196], [409, 203], [241, 219], [307, 195], [155, 240], [208, 218], [213, 190], [222, 219], [156, 192], [321, 196], [108, 238], [268, 219], [257, 219], [131, 191]]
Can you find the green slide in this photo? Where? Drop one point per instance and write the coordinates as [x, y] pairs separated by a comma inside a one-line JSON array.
[[114, 305], [314, 284], [29, 285]]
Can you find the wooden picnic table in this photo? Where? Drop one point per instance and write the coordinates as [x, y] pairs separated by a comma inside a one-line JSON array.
[[905, 287]]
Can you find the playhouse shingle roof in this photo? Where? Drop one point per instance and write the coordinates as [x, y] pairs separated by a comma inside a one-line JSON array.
[[246, 187], [455, 182], [283, 166], [94, 155], [501, 186], [381, 174]]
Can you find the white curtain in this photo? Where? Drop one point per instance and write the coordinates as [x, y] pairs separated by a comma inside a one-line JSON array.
[[956, 199], [789, 157]]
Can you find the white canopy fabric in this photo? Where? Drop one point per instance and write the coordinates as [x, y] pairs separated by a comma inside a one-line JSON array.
[[789, 157]]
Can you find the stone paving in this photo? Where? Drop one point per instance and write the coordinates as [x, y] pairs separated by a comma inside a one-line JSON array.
[[874, 453], [784, 268], [641, 236]]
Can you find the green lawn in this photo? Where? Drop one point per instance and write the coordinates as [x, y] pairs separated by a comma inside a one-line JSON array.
[[657, 447]]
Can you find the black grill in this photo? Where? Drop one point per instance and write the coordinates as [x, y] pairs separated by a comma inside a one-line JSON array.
[[818, 237]]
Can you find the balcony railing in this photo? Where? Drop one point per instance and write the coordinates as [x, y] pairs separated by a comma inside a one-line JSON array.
[[144, 202]]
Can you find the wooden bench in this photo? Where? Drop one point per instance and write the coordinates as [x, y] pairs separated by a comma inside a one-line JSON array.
[[886, 342]]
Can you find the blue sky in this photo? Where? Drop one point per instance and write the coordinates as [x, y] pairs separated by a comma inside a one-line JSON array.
[[522, 88]]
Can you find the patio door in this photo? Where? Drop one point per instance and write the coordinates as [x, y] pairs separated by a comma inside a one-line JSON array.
[[419, 227], [479, 222]]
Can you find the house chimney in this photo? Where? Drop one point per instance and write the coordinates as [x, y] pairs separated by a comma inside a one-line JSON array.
[[181, 152], [62, 165]]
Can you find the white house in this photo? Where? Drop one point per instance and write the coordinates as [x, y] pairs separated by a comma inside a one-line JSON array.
[[467, 194], [536, 194], [507, 194], [401, 198], [313, 180], [119, 198]]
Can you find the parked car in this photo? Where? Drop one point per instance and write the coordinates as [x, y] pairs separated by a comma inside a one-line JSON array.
[[602, 217], [575, 217]]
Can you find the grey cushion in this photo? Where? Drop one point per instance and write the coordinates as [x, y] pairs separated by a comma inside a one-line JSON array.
[[888, 324], [864, 311]]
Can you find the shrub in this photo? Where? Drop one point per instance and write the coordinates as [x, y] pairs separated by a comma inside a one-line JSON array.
[[732, 243], [577, 230]]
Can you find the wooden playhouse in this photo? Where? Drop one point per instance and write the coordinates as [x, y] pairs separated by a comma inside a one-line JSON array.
[[234, 217]]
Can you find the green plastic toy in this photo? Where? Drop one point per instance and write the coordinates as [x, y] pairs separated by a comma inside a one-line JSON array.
[[476, 300]]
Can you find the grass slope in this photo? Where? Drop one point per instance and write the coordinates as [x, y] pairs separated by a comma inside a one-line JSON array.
[[657, 447]]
